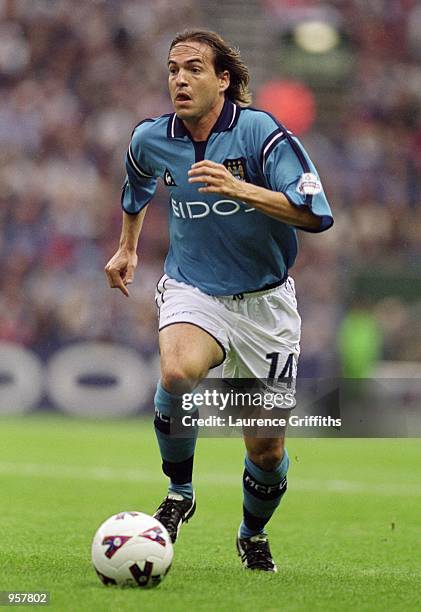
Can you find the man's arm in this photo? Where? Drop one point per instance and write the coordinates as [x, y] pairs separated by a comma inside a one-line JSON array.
[[121, 267], [218, 179]]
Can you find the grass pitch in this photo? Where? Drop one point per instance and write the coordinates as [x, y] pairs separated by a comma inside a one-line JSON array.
[[346, 537]]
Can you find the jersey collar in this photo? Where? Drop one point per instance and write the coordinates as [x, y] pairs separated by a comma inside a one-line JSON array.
[[227, 120]]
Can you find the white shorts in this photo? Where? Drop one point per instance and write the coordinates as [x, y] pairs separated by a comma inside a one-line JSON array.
[[259, 332]]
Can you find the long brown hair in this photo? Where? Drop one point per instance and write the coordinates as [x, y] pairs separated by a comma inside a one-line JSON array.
[[225, 58]]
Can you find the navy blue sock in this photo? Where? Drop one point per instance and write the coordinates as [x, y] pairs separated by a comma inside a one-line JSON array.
[[177, 452], [262, 494]]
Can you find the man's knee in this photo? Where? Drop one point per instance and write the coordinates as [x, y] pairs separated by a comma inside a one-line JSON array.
[[267, 456], [180, 378]]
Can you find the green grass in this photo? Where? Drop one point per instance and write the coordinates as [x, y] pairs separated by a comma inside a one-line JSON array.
[[347, 536]]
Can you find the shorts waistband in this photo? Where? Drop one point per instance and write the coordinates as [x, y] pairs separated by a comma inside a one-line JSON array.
[[257, 292]]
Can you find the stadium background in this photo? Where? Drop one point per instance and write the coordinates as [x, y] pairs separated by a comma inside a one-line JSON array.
[[76, 77]]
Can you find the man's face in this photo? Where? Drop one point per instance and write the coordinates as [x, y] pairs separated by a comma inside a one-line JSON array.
[[195, 88]]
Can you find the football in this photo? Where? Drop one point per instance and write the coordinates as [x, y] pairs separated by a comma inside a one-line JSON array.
[[132, 548]]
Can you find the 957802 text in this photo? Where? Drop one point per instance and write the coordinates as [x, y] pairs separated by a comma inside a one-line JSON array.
[[22, 598]]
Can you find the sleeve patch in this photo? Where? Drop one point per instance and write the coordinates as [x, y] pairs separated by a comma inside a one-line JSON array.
[[309, 184]]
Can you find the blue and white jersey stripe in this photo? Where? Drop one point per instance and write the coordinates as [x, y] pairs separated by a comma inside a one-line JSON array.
[[134, 164], [270, 143]]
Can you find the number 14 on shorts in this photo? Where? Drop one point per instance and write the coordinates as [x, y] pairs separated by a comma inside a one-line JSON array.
[[287, 371]]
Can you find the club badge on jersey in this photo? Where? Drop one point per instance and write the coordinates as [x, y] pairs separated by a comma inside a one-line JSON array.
[[237, 167]]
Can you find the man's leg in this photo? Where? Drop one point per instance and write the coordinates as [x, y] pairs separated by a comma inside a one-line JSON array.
[[264, 484], [187, 354]]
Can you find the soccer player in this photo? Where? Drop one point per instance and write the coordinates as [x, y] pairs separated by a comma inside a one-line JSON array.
[[239, 185]]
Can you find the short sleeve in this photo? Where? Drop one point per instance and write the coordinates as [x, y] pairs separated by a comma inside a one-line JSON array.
[[288, 169], [141, 182]]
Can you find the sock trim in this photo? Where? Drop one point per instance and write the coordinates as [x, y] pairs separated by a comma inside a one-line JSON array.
[[261, 490], [179, 472], [254, 523]]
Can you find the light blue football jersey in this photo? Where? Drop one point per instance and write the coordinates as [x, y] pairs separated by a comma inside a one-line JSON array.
[[221, 245]]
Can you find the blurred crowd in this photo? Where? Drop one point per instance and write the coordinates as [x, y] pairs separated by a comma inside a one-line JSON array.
[[76, 76], [370, 160]]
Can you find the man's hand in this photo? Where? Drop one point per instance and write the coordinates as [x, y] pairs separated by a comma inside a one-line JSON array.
[[120, 270], [217, 179]]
